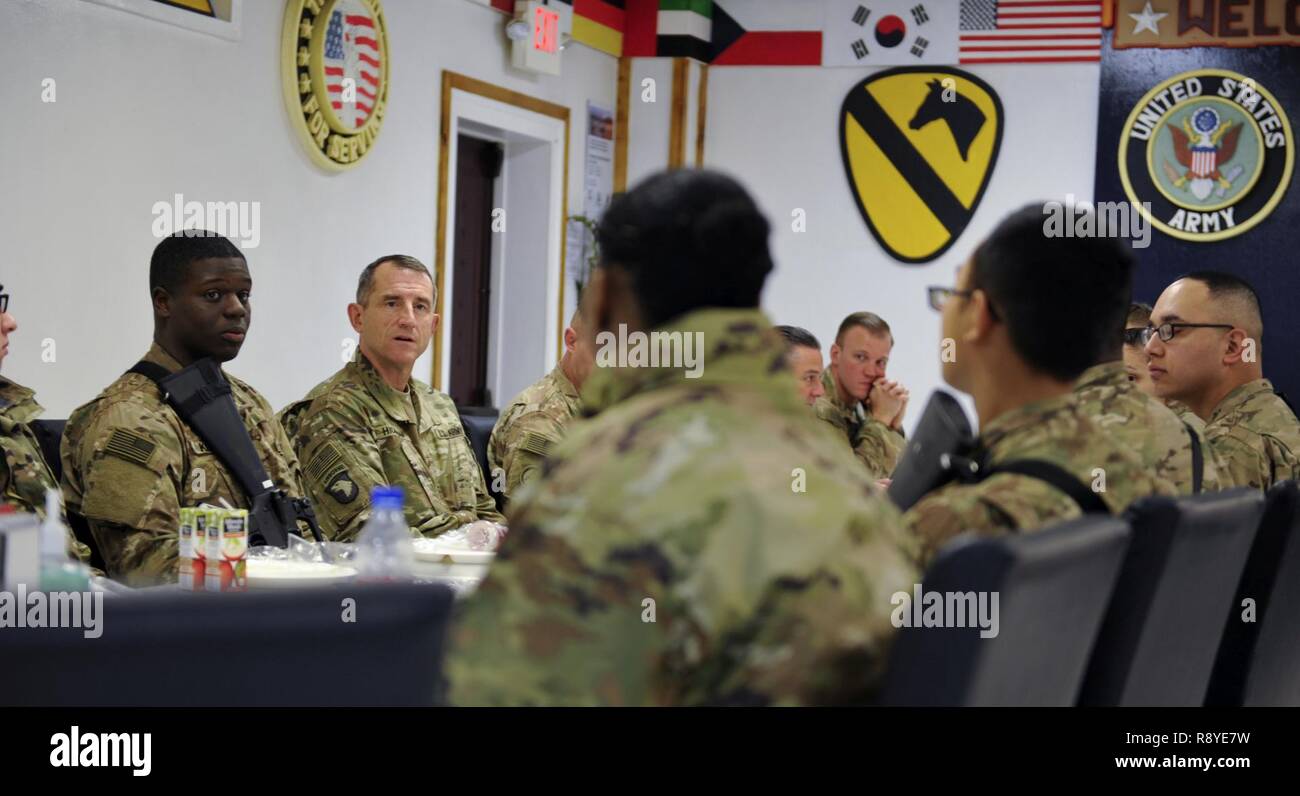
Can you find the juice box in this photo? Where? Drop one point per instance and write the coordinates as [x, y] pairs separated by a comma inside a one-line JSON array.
[[213, 518], [234, 550], [190, 555]]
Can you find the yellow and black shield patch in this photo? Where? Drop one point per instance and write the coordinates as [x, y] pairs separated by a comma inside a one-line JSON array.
[[919, 144]]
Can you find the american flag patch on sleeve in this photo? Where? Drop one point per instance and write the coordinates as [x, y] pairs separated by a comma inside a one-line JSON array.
[[130, 446]]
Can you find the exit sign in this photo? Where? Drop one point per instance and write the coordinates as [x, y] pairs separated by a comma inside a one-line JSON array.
[[546, 30], [548, 21]]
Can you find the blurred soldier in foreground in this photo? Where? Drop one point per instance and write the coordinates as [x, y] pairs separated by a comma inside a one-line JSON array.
[[130, 463], [860, 402], [1029, 314], [701, 539], [1205, 347], [534, 421], [371, 424]]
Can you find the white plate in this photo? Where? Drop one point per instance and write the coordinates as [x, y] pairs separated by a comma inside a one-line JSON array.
[[273, 573], [440, 552]]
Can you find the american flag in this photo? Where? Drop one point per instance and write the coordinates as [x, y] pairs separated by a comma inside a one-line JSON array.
[[352, 51], [1023, 31]]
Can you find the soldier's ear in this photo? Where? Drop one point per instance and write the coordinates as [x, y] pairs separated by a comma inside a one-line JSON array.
[[161, 302], [354, 316], [982, 319], [1236, 346]]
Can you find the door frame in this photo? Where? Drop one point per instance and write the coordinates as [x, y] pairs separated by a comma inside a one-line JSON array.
[[474, 100]]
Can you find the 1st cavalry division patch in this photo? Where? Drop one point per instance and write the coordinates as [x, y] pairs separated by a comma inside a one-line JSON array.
[[919, 144], [334, 63], [1210, 150]]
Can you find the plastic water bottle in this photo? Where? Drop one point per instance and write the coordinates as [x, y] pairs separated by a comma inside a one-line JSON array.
[[384, 550], [59, 572]]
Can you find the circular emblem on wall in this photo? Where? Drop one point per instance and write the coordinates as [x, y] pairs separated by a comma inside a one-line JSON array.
[[1210, 150], [334, 61]]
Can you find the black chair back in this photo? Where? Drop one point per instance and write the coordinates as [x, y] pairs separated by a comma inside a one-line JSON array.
[[1164, 623], [1259, 660], [1052, 588]]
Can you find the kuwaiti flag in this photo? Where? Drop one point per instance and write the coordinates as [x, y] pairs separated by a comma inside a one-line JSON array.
[[767, 33], [890, 32]]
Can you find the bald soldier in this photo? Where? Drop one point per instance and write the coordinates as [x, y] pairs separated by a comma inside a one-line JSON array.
[[129, 462], [1205, 348], [803, 354], [371, 424], [1170, 448], [1024, 333], [859, 402], [699, 540], [535, 420], [24, 474]]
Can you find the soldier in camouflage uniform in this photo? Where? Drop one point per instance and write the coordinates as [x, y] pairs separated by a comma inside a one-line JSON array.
[[859, 402], [24, 475], [371, 424], [1024, 334], [1146, 427], [699, 540], [1204, 345], [129, 462], [535, 420]]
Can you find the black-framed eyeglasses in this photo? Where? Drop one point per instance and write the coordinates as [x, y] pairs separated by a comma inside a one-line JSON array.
[[938, 295], [1135, 335], [1166, 331], [4, 299]]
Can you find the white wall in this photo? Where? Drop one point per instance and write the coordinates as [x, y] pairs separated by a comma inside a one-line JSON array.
[[776, 129], [145, 110], [648, 123]]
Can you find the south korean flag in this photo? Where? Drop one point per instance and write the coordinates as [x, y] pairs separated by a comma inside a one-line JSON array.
[[889, 32]]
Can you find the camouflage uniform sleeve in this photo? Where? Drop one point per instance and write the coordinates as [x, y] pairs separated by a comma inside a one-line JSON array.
[[1242, 465], [997, 505], [341, 465], [878, 447], [128, 461], [517, 640], [525, 445]]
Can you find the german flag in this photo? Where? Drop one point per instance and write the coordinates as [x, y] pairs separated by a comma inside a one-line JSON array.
[[600, 24]]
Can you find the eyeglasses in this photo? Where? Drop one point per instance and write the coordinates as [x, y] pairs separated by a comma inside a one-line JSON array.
[[1135, 335], [938, 296], [1168, 330], [4, 300]]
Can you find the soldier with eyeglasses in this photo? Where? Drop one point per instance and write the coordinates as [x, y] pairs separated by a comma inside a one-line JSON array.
[[1204, 345]]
